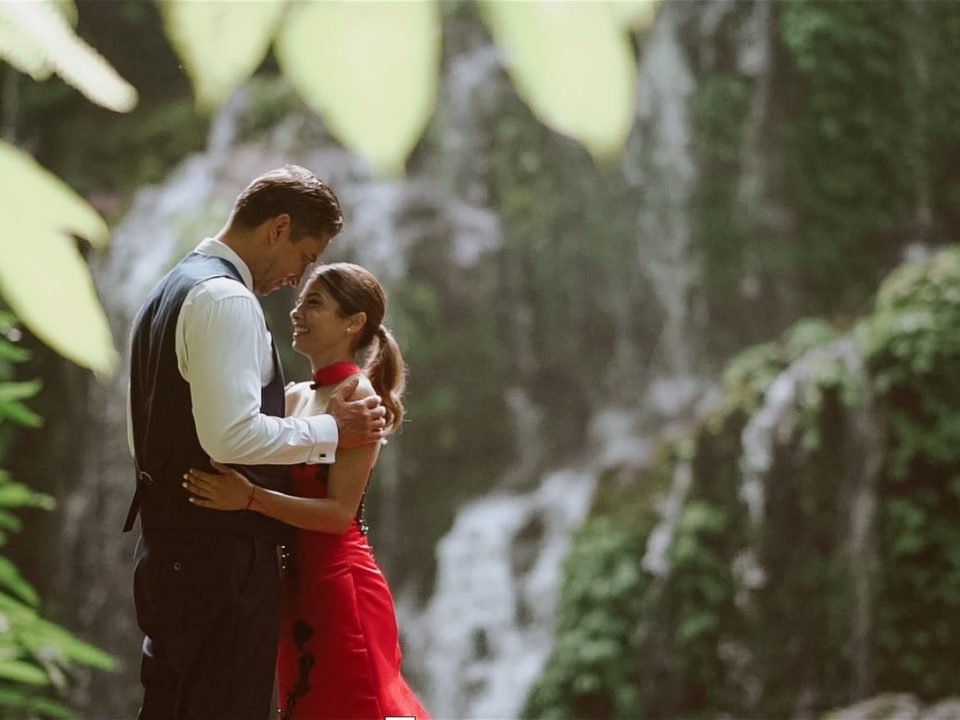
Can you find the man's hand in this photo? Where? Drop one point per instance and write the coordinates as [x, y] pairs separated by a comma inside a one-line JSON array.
[[360, 422]]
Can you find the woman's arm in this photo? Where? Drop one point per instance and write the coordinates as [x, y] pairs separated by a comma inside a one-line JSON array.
[[229, 490]]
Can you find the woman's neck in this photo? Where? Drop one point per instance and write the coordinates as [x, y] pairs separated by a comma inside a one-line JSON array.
[[323, 360]]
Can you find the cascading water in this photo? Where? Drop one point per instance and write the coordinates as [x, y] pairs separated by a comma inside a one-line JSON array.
[[482, 639], [665, 86], [774, 427]]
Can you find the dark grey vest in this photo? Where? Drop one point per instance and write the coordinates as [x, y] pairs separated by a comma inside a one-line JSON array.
[[164, 433]]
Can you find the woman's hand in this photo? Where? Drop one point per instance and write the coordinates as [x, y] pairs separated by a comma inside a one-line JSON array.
[[226, 490]]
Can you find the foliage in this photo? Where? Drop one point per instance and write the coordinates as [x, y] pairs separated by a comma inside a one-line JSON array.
[[592, 671], [590, 674], [599, 113], [378, 103], [36, 38], [721, 226], [847, 126], [816, 169], [799, 607], [913, 346], [36, 655], [37, 283]]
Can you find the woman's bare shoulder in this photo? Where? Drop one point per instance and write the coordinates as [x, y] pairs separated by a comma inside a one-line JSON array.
[[364, 387]]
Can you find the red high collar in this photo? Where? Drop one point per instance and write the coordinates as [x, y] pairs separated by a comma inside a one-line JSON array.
[[334, 373]]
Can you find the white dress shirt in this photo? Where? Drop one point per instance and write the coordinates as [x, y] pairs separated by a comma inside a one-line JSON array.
[[224, 352]]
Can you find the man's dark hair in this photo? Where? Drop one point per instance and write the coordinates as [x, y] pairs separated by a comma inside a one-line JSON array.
[[312, 206]]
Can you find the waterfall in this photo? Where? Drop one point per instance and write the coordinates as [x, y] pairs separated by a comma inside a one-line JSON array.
[[485, 633], [774, 427], [483, 637], [655, 559], [667, 174], [863, 463]]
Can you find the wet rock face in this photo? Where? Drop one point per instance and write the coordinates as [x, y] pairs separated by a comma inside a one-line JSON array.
[[899, 706]]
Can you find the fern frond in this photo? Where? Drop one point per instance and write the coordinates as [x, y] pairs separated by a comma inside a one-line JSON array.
[[36, 37]]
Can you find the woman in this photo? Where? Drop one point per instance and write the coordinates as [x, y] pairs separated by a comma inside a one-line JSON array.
[[339, 655]]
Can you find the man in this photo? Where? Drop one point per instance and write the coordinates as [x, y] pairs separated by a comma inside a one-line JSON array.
[[206, 384]]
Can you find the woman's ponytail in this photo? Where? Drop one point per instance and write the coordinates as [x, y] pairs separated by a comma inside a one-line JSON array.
[[388, 375]]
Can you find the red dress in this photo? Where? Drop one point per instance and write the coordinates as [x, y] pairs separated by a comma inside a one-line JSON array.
[[339, 654]]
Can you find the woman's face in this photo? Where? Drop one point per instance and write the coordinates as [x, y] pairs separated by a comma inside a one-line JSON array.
[[319, 328]]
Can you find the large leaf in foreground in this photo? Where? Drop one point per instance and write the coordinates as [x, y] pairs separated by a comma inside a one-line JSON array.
[[36, 38], [221, 43], [577, 72], [370, 69], [42, 275]]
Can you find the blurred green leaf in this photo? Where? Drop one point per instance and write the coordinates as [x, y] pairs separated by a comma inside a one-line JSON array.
[[36, 38], [42, 275], [577, 72], [370, 69], [19, 390], [12, 580], [22, 672], [221, 43], [19, 495], [20, 414], [10, 522], [70, 647], [27, 704], [12, 353]]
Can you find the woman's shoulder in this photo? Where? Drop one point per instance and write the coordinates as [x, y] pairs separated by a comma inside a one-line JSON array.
[[364, 386], [297, 396], [296, 390]]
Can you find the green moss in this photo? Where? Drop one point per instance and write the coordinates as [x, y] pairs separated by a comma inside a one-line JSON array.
[[589, 674], [913, 351]]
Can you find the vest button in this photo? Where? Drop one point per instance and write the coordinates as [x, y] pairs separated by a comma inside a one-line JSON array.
[[177, 566]]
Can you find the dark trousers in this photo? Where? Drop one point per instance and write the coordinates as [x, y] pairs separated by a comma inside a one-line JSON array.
[[208, 603]]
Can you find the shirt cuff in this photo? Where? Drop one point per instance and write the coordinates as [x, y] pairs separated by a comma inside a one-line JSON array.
[[326, 435]]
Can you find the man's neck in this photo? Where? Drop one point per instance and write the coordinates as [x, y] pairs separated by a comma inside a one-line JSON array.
[[240, 243]]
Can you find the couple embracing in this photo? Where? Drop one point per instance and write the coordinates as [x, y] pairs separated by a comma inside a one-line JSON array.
[[253, 564]]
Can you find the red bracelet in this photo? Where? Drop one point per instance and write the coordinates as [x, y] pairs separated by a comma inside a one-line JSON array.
[[253, 491]]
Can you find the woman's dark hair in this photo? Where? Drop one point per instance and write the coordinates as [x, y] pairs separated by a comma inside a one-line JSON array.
[[313, 208], [356, 290]]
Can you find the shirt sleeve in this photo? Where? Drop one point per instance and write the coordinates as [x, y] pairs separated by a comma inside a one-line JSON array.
[[220, 346]]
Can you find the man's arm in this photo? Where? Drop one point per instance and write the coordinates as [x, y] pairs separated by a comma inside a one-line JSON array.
[[221, 348]]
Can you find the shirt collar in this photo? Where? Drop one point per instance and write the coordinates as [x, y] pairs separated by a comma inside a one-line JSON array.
[[212, 246]]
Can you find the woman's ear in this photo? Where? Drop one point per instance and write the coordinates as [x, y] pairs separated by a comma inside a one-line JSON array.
[[357, 321]]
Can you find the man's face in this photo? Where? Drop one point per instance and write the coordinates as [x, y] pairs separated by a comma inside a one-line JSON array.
[[285, 262]]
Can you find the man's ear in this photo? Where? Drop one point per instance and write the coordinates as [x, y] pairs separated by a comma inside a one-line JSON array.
[[280, 228]]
